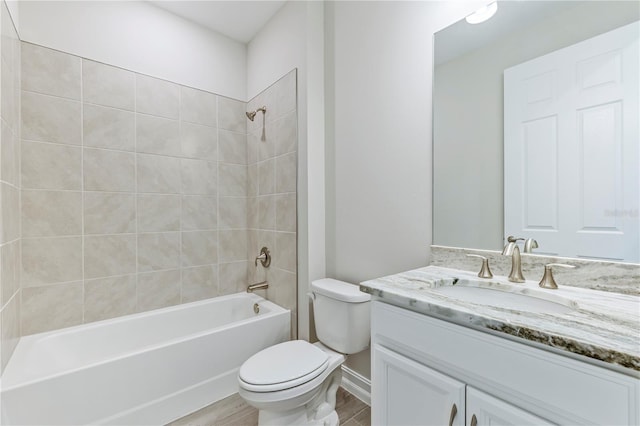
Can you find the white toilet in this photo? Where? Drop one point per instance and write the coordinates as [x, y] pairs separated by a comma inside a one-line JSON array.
[[295, 383]]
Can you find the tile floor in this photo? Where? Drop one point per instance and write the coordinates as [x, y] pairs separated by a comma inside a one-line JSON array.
[[233, 411]]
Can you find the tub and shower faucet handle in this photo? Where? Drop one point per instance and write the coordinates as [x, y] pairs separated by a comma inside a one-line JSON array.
[[485, 272], [264, 257]]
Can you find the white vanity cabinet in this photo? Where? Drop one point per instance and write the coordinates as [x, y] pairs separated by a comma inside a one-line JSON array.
[[423, 367]]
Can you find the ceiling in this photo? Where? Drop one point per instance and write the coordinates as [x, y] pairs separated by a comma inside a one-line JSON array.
[[462, 38], [237, 19]]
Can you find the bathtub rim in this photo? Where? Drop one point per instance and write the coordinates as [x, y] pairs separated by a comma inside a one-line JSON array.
[[274, 310]]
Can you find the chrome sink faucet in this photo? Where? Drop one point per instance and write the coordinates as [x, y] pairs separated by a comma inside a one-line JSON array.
[[512, 249]]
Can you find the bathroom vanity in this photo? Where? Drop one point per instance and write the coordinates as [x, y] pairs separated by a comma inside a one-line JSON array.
[[507, 354]]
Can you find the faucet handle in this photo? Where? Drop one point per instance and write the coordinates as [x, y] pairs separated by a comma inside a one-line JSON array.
[[547, 280], [485, 272], [512, 239], [529, 245], [264, 257]]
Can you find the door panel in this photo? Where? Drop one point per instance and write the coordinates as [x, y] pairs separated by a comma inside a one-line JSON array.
[[409, 393]]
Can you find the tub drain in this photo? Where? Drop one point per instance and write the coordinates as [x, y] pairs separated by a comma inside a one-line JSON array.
[[256, 308]]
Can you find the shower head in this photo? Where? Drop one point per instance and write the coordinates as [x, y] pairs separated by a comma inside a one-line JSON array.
[[252, 114]]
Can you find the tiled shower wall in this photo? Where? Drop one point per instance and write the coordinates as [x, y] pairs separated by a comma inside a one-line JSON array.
[[9, 187], [272, 157], [134, 192]]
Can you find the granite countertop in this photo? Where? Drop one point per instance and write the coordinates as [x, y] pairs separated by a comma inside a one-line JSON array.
[[599, 325]]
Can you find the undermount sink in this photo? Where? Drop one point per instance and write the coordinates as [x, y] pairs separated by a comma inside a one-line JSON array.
[[514, 297]]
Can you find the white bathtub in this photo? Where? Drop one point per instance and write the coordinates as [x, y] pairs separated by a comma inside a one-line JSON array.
[[144, 369]]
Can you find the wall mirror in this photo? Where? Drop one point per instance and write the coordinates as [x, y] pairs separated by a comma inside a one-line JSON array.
[[503, 153]]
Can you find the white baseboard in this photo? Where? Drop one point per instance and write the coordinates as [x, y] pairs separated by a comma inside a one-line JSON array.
[[356, 384]]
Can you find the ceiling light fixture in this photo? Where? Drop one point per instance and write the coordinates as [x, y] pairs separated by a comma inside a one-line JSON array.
[[483, 13]]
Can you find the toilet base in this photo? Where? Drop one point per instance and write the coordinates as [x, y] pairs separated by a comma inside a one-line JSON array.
[[320, 411]]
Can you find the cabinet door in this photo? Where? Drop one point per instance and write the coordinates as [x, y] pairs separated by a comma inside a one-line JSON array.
[[483, 409], [405, 392]]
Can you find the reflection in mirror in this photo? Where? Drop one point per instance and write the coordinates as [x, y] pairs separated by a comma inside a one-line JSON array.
[[471, 135]]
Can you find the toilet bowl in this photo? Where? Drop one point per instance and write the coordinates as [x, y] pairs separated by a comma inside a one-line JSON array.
[[295, 382]]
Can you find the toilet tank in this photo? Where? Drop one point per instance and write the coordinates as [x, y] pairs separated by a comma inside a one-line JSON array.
[[342, 315]]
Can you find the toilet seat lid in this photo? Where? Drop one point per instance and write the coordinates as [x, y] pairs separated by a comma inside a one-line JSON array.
[[284, 365]]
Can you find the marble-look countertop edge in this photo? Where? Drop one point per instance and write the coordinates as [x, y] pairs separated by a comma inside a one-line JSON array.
[[421, 301]]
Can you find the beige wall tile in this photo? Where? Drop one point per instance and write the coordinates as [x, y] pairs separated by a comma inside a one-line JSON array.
[[199, 177], [233, 147], [282, 288], [286, 212], [231, 115], [51, 213], [109, 170], [158, 290], [109, 86], [51, 260], [51, 307], [10, 329], [50, 72], [286, 173], [232, 277], [286, 134], [232, 245], [233, 213], [285, 95], [198, 213], [105, 127], [156, 135], [157, 97], [199, 283], [197, 106], [50, 119], [285, 251], [10, 209], [233, 180], [109, 213], [49, 166], [9, 155], [9, 271], [109, 255], [252, 147], [8, 102], [158, 174], [252, 180], [158, 251], [199, 141], [252, 212], [266, 141], [199, 248], [266, 177], [112, 297], [158, 213], [267, 212]]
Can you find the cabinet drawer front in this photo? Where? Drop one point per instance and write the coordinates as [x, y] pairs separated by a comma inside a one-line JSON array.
[[555, 387]]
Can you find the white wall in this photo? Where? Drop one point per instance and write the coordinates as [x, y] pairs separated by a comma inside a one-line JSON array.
[[382, 72], [379, 74], [139, 37], [293, 38]]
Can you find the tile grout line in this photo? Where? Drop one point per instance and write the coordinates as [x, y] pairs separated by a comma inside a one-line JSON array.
[[181, 292], [135, 176], [84, 290]]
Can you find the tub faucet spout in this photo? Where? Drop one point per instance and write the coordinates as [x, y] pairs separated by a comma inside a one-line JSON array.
[[259, 286]]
